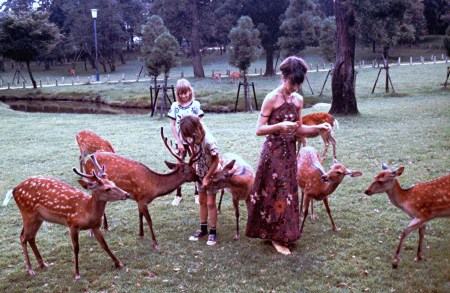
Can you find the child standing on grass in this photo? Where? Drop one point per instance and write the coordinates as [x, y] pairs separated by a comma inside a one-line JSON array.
[[185, 104], [192, 131]]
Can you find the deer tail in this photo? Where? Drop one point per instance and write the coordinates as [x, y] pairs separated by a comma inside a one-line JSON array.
[[8, 196]]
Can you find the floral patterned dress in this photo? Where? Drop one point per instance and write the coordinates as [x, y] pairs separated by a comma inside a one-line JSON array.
[[273, 207]]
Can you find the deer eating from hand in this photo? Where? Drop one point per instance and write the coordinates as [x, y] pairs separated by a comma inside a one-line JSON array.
[[236, 177], [145, 185], [41, 198], [422, 202], [327, 135], [315, 183]]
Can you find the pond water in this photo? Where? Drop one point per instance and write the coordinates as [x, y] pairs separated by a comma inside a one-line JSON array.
[[70, 107]]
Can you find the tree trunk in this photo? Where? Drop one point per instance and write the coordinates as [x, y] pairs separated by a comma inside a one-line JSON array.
[[31, 75], [195, 48], [343, 86], [269, 61]]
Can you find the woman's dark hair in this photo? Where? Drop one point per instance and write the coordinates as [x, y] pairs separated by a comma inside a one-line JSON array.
[[293, 69]]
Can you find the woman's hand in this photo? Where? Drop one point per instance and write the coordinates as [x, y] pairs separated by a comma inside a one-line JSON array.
[[287, 127], [205, 181], [324, 126]]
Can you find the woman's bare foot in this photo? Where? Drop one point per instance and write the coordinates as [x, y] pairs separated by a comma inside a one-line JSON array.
[[281, 248]]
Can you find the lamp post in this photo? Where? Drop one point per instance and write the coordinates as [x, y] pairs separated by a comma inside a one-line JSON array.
[[94, 16]]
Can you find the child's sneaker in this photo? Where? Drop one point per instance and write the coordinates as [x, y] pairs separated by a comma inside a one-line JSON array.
[[197, 235], [212, 239], [197, 201], [176, 201]]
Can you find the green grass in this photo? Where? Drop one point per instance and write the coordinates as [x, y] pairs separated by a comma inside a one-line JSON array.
[[409, 128]]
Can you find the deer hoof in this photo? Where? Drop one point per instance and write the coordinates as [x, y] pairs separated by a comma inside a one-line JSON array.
[[119, 265], [156, 247], [31, 272]]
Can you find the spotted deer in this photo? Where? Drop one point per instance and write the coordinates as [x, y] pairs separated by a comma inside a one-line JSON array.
[[41, 198], [144, 184], [327, 137], [236, 177], [422, 202], [315, 183], [90, 142]]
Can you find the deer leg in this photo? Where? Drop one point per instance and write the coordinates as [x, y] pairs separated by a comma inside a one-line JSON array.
[[327, 207], [141, 223], [143, 208], [333, 143], [313, 219], [236, 212], [23, 242], [76, 250], [105, 223], [99, 236], [220, 201], [414, 225], [325, 138], [421, 236], [32, 241], [307, 200]]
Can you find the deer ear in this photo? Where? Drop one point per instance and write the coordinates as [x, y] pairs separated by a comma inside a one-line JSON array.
[[230, 165], [384, 166], [354, 173], [170, 165], [86, 184], [399, 171]]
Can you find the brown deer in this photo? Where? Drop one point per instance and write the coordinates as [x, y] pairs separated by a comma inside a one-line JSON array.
[[234, 76], [217, 77], [90, 142], [145, 185], [327, 137], [42, 199], [422, 202], [71, 71], [317, 184], [236, 177]]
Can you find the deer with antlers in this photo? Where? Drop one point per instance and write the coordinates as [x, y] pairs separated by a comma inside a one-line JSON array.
[[237, 177], [315, 183], [42, 199], [145, 185], [327, 137], [422, 202]]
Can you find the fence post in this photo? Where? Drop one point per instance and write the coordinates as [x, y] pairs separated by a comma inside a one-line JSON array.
[[24, 84], [40, 83]]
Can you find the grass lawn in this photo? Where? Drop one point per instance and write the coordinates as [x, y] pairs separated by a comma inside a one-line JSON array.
[[410, 128]]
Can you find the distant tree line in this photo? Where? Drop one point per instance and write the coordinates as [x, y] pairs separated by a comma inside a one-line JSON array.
[[285, 27]]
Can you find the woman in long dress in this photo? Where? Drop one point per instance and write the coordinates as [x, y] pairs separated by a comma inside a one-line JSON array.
[[273, 208]]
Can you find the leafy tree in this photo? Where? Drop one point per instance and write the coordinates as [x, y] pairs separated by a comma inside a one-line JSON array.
[[190, 20], [300, 27], [26, 36], [327, 40], [327, 7], [243, 50], [159, 51], [434, 10], [343, 89], [384, 23], [153, 28]]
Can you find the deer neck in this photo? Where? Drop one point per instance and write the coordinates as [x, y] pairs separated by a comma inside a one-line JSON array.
[[166, 183], [397, 195], [95, 208]]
